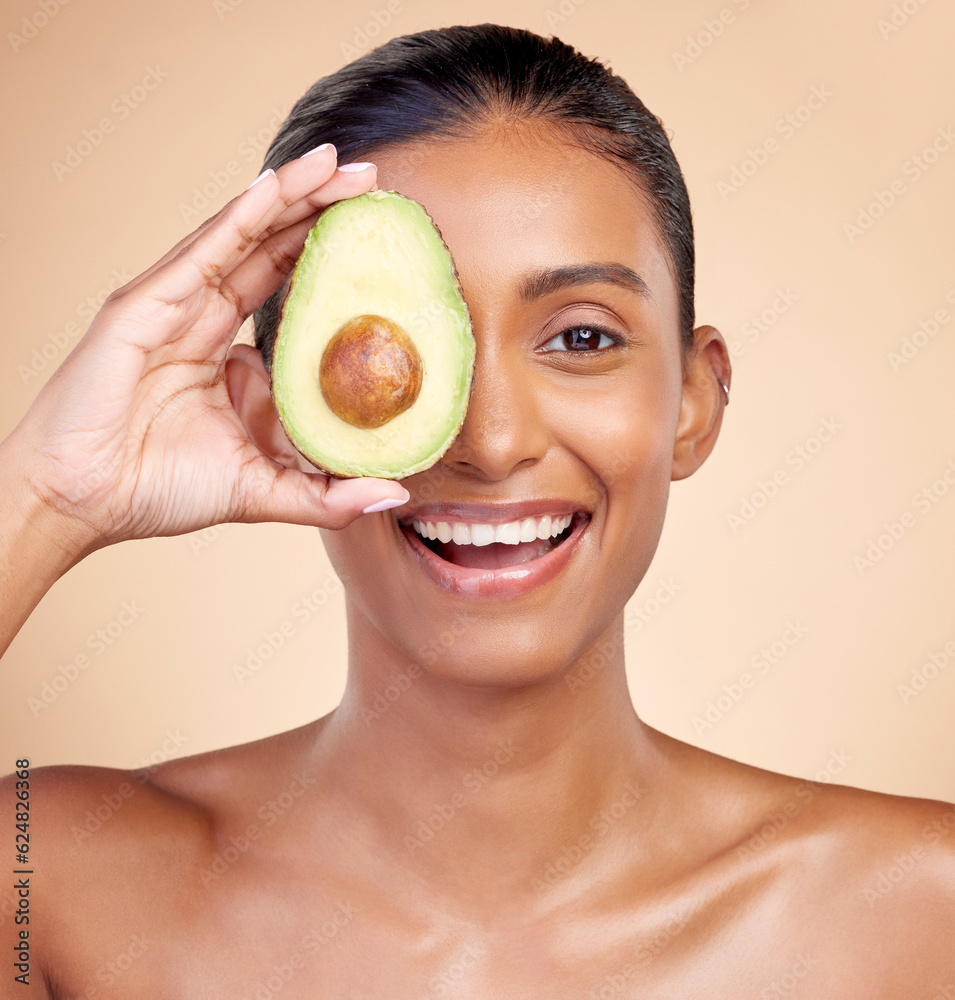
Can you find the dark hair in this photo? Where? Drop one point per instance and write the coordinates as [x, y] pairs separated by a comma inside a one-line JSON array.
[[449, 83]]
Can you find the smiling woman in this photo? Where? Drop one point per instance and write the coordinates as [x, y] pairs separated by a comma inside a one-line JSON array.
[[505, 825]]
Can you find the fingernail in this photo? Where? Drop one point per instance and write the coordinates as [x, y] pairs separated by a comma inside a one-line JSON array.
[[386, 504], [354, 167], [263, 174], [317, 149]]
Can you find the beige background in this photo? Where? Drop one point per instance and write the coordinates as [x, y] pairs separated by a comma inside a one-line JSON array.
[[223, 75]]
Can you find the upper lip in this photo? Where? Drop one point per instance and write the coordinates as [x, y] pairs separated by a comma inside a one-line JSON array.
[[487, 513]]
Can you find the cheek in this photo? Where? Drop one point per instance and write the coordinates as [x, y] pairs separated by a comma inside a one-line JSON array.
[[622, 430], [636, 480], [622, 434]]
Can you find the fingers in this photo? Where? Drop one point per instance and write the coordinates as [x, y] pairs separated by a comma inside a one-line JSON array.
[[220, 246], [306, 186], [321, 167], [274, 482], [253, 278], [343, 183], [182, 295], [295, 497]]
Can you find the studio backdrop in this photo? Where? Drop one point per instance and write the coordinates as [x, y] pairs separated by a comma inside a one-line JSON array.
[[798, 614]]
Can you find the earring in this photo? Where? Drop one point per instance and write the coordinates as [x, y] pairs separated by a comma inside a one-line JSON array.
[[726, 391]]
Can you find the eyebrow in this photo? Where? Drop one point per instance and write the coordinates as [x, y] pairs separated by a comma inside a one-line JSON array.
[[544, 282]]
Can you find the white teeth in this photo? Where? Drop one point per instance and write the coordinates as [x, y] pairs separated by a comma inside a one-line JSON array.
[[482, 534], [528, 530], [510, 533]]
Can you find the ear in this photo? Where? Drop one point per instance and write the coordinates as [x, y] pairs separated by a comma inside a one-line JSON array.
[[704, 400], [248, 385]]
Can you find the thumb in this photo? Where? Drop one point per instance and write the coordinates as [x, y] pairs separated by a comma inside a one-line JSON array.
[[296, 497]]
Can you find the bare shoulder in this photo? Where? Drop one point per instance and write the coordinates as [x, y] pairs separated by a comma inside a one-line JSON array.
[[875, 873], [856, 887], [84, 813], [845, 831], [86, 820], [99, 838], [898, 848], [891, 860], [113, 849]]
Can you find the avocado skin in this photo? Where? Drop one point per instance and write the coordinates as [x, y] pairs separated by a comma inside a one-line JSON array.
[[379, 253]]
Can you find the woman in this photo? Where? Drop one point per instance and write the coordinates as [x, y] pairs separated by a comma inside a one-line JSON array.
[[507, 826]]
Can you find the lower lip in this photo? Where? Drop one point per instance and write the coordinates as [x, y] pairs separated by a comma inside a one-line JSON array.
[[511, 581]]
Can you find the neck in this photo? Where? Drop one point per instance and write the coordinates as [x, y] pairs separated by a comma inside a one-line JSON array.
[[531, 784]]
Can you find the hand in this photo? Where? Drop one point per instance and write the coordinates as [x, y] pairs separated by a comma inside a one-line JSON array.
[[135, 434]]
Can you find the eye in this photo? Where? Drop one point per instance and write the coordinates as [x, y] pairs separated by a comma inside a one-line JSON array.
[[580, 339]]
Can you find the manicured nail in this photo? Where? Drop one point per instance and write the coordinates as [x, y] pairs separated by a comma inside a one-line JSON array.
[[263, 174], [354, 167], [385, 504], [317, 149]]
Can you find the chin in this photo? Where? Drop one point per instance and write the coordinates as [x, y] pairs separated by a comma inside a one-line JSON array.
[[472, 663]]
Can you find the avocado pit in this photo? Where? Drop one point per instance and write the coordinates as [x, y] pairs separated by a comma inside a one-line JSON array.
[[370, 371]]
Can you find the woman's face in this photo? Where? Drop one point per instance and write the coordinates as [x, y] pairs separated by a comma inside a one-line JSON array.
[[574, 413]]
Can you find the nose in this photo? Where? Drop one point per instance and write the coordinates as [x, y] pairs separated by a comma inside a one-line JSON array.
[[504, 429]]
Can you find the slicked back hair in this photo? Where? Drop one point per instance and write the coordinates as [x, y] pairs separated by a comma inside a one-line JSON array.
[[453, 83]]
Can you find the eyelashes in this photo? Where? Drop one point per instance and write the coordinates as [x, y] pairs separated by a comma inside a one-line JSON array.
[[583, 338]]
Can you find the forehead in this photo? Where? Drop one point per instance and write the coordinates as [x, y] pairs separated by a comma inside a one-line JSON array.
[[513, 203]]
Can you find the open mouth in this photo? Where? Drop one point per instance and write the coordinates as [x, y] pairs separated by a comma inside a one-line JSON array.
[[485, 546]]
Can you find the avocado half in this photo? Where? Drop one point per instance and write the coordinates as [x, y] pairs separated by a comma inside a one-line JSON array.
[[374, 353]]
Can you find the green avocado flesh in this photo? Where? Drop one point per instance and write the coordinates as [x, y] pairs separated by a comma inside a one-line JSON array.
[[373, 357]]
